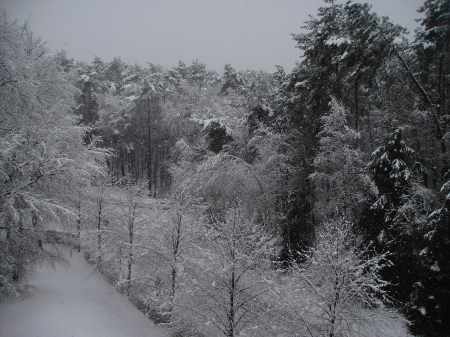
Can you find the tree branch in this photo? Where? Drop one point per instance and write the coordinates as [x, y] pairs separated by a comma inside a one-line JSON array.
[[7, 81]]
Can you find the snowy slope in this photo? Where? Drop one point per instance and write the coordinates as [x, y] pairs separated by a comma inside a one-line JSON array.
[[74, 301]]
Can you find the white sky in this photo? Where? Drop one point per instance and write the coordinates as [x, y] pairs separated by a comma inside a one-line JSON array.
[[249, 34]]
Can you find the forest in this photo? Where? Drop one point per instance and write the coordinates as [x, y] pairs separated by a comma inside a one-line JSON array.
[[242, 203]]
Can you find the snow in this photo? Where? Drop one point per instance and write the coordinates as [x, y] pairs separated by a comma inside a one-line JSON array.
[[301, 84], [397, 164], [85, 78], [337, 41], [343, 56], [446, 187], [398, 40], [112, 88], [428, 45], [132, 98], [435, 267], [206, 122], [75, 301]]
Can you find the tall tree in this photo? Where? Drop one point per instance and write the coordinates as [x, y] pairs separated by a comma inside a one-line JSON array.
[[430, 306], [228, 289], [394, 218], [231, 79], [344, 54], [339, 177], [432, 47], [42, 151]]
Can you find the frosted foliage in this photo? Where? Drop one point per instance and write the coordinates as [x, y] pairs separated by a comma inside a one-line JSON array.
[[42, 156], [340, 280], [336, 291], [224, 177], [446, 189], [227, 286], [339, 179], [41, 146], [395, 169]]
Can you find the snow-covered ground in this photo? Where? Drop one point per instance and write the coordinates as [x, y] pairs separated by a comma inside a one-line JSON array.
[[74, 301]]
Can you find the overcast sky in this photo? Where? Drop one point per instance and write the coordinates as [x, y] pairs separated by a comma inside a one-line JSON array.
[[249, 34]]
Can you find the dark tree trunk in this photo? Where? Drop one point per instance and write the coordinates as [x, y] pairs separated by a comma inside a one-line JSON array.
[[35, 222], [130, 253], [79, 223], [149, 148], [99, 223]]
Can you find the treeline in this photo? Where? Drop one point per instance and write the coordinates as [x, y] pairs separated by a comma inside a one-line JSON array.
[[357, 133], [140, 113]]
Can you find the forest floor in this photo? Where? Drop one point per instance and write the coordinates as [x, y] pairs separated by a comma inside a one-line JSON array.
[[73, 300]]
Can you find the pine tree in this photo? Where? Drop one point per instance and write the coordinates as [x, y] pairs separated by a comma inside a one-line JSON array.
[[216, 136], [339, 176], [430, 307], [344, 55], [392, 221], [231, 80], [433, 49]]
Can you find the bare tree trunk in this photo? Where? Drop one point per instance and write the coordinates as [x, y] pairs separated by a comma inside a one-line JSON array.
[[155, 173], [149, 144], [232, 284], [34, 222], [100, 200], [18, 263], [356, 105], [133, 200], [333, 307], [79, 223], [175, 247], [130, 252], [231, 309]]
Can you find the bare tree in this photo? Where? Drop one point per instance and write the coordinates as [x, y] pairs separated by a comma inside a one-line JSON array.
[[100, 217], [342, 280], [179, 237], [132, 218], [228, 286]]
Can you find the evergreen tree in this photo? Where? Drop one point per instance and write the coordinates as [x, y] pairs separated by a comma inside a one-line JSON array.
[[298, 227], [88, 105], [231, 79], [217, 137], [393, 220], [430, 307], [344, 55], [432, 49], [339, 177]]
